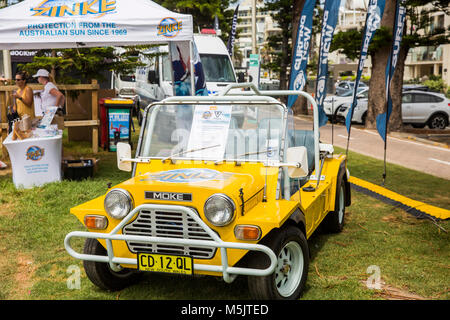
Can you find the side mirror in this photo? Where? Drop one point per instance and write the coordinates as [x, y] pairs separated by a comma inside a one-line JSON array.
[[123, 154], [153, 77], [299, 155]]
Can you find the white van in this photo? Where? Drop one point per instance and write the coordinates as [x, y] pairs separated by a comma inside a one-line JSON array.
[[124, 85], [154, 81]]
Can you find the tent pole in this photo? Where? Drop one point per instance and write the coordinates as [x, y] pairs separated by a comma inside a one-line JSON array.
[[191, 60], [171, 68]]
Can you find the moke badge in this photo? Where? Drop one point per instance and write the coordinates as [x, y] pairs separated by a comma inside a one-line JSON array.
[[168, 196]]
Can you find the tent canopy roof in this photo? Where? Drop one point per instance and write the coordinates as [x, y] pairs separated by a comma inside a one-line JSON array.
[[52, 24]]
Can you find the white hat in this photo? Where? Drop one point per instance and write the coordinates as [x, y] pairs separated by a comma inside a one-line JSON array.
[[41, 73]]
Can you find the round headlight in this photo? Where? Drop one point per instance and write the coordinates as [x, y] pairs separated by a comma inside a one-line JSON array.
[[219, 210], [118, 203]]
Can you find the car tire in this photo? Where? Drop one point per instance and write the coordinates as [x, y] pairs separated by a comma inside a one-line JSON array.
[[139, 113], [438, 121], [334, 118], [364, 118], [102, 275], [334, 221], [288, 280]]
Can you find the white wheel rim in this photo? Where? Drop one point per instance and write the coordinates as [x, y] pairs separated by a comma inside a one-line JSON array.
[[341, 205], [289, 269]]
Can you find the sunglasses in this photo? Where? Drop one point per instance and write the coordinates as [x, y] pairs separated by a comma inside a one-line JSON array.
[[19, 79]]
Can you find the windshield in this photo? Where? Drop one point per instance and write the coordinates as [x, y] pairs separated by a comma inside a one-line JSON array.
[[128, 77], [213, 132], [349, 92], [217, 68]]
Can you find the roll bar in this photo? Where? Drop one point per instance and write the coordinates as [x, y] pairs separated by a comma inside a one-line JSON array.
[[256, 91]]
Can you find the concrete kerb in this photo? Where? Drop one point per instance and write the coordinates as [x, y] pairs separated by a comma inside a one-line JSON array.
[[399, 135]]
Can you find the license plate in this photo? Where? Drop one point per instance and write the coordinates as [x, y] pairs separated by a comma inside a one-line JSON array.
[[165, 263]]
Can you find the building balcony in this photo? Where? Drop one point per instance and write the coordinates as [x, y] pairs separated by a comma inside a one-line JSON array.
[[430, 54]]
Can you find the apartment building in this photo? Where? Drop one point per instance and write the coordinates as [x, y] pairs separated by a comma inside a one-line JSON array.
[[435, 60]]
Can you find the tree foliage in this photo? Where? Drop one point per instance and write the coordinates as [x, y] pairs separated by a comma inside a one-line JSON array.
[[83, 64]]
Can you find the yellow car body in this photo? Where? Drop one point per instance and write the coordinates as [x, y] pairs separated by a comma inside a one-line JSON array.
[[186, 185]]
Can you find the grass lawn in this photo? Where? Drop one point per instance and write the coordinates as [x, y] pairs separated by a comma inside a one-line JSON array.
[[409, 257]]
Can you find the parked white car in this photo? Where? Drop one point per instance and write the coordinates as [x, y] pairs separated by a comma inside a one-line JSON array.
[[419, 108], [332, 103], [342, 87]]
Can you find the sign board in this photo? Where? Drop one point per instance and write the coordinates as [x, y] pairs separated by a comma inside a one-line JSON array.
[[253, 69], [119, 126]]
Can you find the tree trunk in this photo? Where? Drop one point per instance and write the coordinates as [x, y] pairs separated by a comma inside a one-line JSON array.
[[377, 96], [284, 64], [301, 104], [395, 120]]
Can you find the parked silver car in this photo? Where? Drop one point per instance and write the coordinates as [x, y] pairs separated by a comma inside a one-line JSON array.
[[419, 108]]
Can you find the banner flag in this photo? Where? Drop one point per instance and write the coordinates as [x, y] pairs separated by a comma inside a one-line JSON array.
[[373, 18], [399, 22], [330, 17], [230, 43], [301, 50], [181, 65]]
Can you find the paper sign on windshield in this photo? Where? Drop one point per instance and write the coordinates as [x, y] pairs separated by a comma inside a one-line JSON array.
[[209, 132]]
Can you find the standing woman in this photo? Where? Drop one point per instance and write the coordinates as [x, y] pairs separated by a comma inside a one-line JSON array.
[[24, 101], [51, 96]]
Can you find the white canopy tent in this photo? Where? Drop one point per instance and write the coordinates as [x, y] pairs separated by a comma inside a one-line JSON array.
[[38, 24], [53, 24]]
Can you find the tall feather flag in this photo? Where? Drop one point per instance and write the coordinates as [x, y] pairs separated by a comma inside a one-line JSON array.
[[373, 18], [230, 43], [301, 50], [399, 22], [181, 65], [383, 118], [330, 17]]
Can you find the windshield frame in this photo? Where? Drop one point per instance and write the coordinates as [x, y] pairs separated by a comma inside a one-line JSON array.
[[157, 105]]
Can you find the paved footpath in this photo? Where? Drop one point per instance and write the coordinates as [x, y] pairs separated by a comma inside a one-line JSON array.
[[424, 157]]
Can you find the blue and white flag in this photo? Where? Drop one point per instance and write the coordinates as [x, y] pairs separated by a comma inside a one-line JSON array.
[[301, 50], [230, 43], [330, 17], [373, 19], [399, 23], [180, 53]]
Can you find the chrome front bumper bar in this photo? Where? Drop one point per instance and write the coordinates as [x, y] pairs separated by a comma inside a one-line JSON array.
[[229, 273]]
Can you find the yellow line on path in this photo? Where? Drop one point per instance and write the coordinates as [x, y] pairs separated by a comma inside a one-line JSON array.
[[436, 212]]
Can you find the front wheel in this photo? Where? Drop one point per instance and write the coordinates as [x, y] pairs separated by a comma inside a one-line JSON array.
[[288, 280], [101, 274]]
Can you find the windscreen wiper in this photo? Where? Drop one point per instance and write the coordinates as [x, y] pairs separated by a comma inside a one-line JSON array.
[[248, 154], [188, 151]]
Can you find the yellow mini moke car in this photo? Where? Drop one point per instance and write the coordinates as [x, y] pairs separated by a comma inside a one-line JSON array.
[[222, 186]]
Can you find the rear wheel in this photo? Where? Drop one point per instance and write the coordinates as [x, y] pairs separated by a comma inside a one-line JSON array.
[[288, 280], [101, 274], [334, 221], [438, 121]]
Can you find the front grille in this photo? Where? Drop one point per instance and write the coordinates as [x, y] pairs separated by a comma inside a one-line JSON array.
[[157, 223]]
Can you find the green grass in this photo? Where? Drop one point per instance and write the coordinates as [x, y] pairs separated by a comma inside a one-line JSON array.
[[411, 254]]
